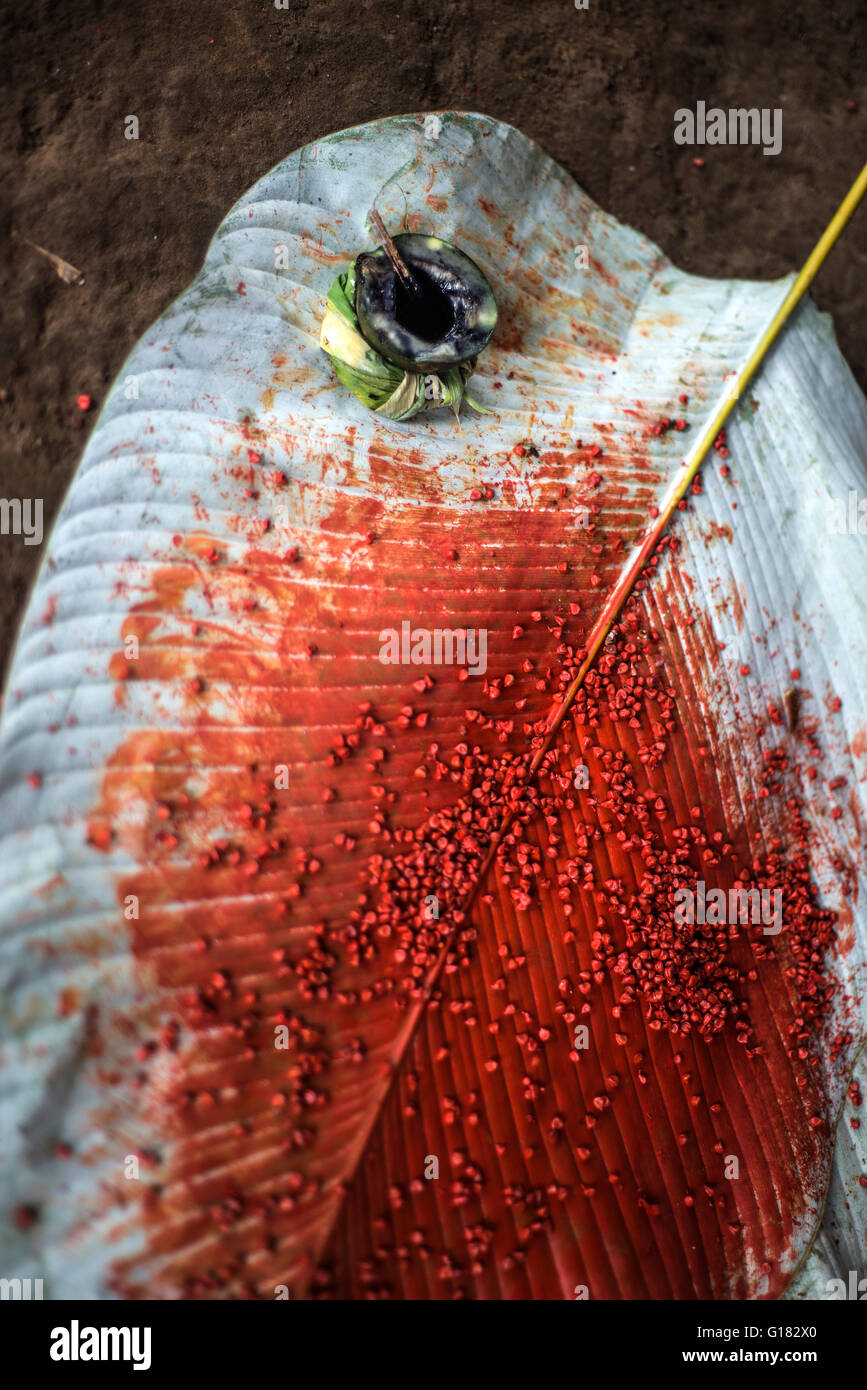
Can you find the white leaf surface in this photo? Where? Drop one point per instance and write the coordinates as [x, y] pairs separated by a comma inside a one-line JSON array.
[[235, 364]]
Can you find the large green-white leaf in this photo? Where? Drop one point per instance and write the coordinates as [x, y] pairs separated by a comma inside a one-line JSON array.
[[227, 446]]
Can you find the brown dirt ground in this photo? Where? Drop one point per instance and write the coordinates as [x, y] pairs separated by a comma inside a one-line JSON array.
[[224, 91]]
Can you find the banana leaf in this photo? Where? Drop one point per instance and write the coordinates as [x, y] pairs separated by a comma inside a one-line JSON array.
[[220, 1077]]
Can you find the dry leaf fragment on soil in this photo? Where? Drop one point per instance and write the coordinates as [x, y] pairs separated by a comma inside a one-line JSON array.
[[68, 273]]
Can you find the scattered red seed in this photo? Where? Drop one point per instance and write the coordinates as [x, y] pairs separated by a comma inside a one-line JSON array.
[[635, 952]]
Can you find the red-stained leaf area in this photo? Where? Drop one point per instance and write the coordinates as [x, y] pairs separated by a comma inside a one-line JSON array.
[[359, 982], [420, 1036], [605, 1166]]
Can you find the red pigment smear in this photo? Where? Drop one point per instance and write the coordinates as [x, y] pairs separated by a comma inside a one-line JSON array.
[[637, 1154], [410, 1036]]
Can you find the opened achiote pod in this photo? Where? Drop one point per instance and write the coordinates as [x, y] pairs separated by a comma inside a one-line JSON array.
[[405, 325]]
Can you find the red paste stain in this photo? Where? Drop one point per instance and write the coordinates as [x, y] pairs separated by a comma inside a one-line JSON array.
[[352, 966]]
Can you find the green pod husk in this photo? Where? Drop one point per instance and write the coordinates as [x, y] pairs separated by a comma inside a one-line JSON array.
[[379, 384]]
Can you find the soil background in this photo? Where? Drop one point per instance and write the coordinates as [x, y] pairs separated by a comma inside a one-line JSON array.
[[225, 90]]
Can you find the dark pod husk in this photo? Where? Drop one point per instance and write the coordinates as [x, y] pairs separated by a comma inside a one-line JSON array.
[[450, 321]]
